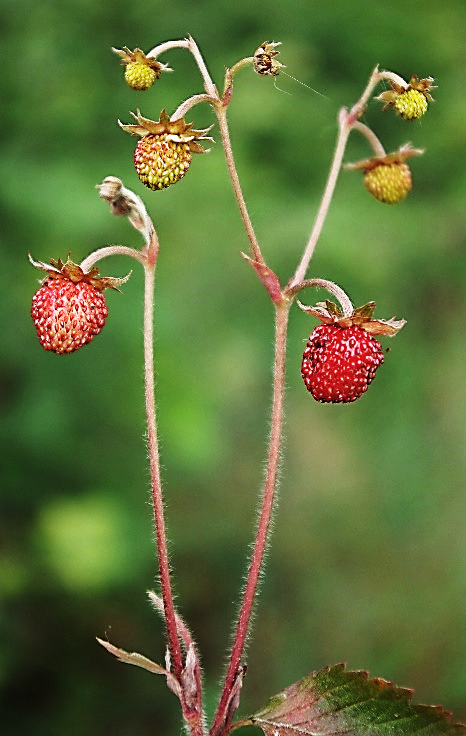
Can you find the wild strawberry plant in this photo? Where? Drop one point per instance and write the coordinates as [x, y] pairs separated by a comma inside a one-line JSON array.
[[339, 363]]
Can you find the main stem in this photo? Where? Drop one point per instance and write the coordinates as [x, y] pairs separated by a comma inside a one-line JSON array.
[[268, 499], [159, 519]]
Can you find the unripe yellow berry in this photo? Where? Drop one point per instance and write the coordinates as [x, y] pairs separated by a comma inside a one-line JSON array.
[[411, 105], [140, 76], [389, 182]]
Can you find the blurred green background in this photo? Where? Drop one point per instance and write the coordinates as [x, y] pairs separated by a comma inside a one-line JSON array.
[[368, 561]]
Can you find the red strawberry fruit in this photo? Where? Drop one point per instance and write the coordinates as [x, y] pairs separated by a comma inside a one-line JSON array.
[[341, 355], [339, 363], [69, 308]]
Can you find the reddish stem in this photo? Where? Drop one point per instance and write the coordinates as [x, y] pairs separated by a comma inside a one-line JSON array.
[[123, 201], [268, 499], [159, 519], [226, 142], [347, 121]]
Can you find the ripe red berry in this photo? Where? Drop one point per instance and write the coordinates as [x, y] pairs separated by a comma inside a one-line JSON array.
[[339, 362], [67, 315], [69, 308]]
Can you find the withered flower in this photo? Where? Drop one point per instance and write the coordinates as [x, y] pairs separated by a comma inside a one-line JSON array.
[[264, 62]]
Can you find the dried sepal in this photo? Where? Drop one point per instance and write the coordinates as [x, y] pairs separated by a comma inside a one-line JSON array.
[[399, 156], [70, 271], [264, 61], [330, 313], [127, 57], [177, 130]]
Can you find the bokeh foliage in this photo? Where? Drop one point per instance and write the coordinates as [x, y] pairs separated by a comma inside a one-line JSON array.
[[368, 557]]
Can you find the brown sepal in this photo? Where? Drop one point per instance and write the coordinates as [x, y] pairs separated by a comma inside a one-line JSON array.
[[264, 62], [138, 57], [176, 130], [71, 271], [420, 85], [329, 313], [395, 157]]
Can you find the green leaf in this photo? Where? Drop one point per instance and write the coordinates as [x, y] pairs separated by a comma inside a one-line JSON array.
[[334, 701]]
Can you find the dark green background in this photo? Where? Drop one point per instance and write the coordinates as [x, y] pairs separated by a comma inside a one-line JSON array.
[[368, 557]]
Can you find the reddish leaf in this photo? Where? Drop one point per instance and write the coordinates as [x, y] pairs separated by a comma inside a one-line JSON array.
[[334, 701]]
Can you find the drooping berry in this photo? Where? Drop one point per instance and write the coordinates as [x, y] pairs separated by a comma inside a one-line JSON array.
[[140, 76], [339, 363], [164, 152], [411, 104], [141, 71], [67, 315], [388, 178], [342, 355], [69, 309], [410, 100], [389, 182]]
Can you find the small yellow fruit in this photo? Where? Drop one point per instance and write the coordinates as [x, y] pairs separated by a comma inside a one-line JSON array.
[[140, 76], [411, 104], [389, 182]]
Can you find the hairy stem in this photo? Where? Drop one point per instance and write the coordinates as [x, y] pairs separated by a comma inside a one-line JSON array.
[[334, 289], [225, 134], [240, 64], [154, 461], [209, 86], [112, 250], [347, 121], [371, 137], [162, 48], [343, 133], [185, 106], [263, 527], [148, 259]]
